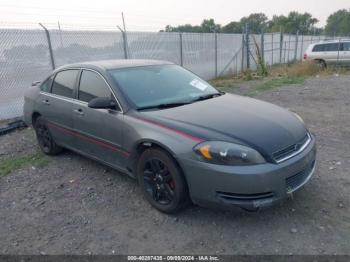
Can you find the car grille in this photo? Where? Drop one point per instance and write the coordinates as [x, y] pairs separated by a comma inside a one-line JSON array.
[[297, 180], [243, 197], [292, 150]]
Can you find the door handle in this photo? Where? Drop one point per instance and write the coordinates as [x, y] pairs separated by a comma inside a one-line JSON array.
[[46, 102], [79, 111]]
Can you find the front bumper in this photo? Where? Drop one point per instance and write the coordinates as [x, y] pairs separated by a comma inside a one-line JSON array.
[[249, 187]]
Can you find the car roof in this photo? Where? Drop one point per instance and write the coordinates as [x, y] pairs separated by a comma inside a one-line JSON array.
[[332, 41], [115, 64]]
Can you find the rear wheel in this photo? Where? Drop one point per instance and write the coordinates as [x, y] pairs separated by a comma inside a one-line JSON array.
[[322, 64], [161, 181], [44, 137]]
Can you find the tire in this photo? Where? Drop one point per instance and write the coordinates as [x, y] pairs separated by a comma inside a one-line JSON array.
[[322, 64], [161, 181], [45, 140]]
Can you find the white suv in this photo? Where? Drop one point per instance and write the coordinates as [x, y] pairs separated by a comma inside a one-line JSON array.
[[329, 52]]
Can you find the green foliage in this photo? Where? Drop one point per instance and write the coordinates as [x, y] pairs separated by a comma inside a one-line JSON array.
[[207, 26], [257, 22], [9, 165], [338, 23], [233, 28], [304, 23], [262, 67], [275, 83]]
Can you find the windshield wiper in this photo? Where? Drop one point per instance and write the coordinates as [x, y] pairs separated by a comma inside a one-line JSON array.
[[205, 97], [176, 104], [165, 105]]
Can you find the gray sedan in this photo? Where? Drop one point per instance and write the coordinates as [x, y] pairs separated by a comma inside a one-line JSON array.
[[180, 137]]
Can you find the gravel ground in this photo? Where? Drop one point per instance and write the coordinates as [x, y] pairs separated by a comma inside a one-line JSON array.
[[76, 206]]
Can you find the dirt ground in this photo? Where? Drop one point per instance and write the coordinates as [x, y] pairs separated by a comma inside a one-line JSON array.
[[76, 206]]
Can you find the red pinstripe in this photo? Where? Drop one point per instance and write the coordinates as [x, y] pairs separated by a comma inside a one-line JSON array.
[[90, 139]]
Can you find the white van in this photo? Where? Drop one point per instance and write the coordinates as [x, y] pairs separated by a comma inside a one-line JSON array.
[[329, 52]]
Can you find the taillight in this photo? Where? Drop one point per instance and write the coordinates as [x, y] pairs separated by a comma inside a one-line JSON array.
[[305, 56]]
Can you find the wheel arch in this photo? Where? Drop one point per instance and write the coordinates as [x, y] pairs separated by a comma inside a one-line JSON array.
[[35, 116], [320, 60], [144, 144]]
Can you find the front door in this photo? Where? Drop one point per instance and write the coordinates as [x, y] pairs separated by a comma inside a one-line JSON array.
[[345, 53], [100, 130]]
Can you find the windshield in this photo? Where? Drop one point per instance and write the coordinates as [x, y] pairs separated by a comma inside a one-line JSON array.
[[149, 86]]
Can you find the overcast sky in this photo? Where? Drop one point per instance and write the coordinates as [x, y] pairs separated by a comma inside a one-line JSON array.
[[153, 15]]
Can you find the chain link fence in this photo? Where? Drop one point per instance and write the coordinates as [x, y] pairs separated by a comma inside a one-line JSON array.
[[29, 54]]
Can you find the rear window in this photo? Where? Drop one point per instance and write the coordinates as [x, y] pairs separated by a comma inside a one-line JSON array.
[[63, 84]]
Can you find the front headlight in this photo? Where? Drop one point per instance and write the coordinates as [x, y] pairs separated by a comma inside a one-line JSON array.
[[224, 153]]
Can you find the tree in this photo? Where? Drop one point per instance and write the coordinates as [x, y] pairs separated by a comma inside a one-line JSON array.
[[233, 28], [304, 23], [207, 26], [338, 23], [257, 22]]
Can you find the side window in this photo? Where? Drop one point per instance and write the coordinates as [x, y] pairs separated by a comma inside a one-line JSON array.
[[332, 47], [92, 85], [346, 46], [46, 86], [63, 83]]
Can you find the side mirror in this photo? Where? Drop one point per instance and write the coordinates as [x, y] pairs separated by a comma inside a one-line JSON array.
[[102, 103], [36, 83]]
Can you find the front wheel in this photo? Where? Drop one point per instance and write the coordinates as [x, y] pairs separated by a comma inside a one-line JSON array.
[[44, 137], [161, 181]]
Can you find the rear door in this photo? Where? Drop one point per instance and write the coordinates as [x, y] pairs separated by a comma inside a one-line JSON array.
[[55, 104], [100, 129]]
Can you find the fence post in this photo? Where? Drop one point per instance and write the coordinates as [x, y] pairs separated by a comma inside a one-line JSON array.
[[181, 52], [288, 48], [125, 44], [302, 47], [247, 45], [50, 46], [262, 46], [243, 43], [216, 54], [281, 45], [296, 46], [272, 49]]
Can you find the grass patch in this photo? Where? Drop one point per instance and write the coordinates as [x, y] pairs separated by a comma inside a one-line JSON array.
[[9, 165], [275, 83], [226, 84], [252, 82]]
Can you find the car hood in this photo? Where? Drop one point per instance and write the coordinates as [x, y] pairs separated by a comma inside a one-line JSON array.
[[261, 125]]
